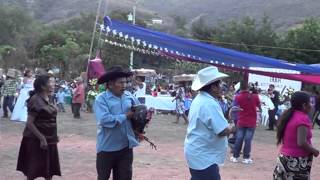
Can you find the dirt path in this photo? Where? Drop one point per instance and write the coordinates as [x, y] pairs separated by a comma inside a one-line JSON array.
[[77, 152]]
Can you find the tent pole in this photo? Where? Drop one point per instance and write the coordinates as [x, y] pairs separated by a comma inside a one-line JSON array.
[[246, 77]]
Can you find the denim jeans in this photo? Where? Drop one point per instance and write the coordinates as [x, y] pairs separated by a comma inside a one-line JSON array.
[[211, 173], [246, 135], [61, 107]]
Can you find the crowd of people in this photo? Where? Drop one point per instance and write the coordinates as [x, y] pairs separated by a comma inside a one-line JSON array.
[[14, 91], [216, 114]]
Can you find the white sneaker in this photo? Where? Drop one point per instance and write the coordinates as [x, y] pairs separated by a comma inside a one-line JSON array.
[[247, 161], [233, 159]]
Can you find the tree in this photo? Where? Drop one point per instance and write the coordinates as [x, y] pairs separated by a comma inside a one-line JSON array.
[[305, 37], [201, 31], [19, 31]]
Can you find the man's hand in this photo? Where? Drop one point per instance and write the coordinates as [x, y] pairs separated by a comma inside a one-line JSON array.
[[229, 130], [129, 114]]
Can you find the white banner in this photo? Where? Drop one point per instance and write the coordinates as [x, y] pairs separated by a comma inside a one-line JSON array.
[[280, 84]]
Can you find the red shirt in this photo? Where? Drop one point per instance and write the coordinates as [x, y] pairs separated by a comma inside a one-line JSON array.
[[78, 95], [249, 103]]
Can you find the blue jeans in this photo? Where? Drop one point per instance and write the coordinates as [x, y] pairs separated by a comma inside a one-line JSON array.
[[211, 173], [245, 134]]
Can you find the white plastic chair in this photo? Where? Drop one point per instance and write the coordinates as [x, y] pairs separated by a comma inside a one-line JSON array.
[[264, 115]]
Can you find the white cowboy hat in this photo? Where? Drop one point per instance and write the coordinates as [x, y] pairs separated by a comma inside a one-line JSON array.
[[207, 76]]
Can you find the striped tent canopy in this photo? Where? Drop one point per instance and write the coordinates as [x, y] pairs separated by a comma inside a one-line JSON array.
[[159, 43]]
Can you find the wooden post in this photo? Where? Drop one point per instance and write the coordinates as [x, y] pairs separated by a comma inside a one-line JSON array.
[[246, 77]]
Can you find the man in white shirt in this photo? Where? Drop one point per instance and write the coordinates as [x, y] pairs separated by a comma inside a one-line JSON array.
[[140, 88]]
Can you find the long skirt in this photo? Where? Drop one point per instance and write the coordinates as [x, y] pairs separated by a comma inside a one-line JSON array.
[[36, 162], [292, 168]]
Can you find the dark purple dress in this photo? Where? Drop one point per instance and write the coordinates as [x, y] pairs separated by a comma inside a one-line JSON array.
[[33, 161]]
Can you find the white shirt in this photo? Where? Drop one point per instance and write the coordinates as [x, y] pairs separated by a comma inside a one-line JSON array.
[[266, 102], [140, 91]]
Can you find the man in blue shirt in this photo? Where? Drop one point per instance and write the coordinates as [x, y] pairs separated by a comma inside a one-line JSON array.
[[115, 136], [206, 140]]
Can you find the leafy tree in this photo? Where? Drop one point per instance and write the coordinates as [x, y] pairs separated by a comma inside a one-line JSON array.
[[14, 23], [305, 37], [18, 31], [201, 31]]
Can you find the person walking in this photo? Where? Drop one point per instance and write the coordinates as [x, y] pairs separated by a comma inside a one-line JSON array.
[[295, 136], [115, 136], [205, 145], [61, 94], [8, 92], [274, 96], [180, 108], [38, 154], [78, 98], [246, 123]]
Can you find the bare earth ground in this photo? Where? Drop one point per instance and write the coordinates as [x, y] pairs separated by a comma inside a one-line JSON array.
[[77, 151]]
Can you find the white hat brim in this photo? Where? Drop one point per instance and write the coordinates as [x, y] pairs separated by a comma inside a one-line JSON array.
[[197, 84]]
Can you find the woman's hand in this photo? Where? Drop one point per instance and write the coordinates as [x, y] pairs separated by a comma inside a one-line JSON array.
[[43, 143], [316, 153]]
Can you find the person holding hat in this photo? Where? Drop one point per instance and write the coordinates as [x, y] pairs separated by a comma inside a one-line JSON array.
[[115, 136], [205, 145]]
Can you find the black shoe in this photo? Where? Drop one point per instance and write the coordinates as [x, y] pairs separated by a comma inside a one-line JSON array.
[[4, 117]]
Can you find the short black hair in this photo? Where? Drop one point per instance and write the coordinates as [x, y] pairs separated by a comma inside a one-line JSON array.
[[26, 72]]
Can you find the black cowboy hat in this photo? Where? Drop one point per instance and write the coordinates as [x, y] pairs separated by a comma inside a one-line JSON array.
[[113, 73]]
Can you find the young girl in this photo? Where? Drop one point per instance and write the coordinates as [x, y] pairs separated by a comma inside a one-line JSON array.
[[180, 109], [294, 134]]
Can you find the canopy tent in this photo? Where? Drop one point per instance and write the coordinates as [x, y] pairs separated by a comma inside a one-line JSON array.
[[183, 77], [185, 49], [144, 72], [306, 78]]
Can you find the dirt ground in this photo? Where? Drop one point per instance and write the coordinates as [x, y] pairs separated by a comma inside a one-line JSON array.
[[77, 151]]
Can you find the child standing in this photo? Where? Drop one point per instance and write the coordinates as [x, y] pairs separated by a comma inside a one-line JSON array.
[[180, 109], [60, 96]]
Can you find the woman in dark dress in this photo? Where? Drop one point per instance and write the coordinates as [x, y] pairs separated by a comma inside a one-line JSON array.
[[38, 156]]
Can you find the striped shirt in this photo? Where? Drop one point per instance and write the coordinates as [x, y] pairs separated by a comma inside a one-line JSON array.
[[9, 88]]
